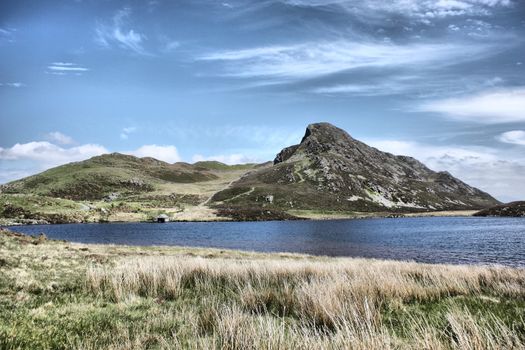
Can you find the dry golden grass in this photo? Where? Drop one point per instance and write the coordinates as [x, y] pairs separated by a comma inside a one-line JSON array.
[[332, 303], [57, 295]]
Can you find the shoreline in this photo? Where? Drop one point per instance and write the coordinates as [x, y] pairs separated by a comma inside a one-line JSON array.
[[299, 214]]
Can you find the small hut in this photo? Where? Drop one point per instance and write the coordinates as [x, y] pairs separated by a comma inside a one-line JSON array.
[[162, 218]]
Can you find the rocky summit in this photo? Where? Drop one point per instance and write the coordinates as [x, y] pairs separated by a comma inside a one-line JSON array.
[[331, 170]]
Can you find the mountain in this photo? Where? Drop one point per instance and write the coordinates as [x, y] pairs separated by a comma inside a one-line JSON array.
[[330, 170], [513, 209], [111, 174], [327, 172]]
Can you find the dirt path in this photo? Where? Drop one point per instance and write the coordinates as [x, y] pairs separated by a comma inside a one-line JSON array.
[[214, 193], [208, 200], [240, 194]]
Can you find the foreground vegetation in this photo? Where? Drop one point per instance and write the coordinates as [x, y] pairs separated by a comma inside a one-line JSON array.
[[58, 295]]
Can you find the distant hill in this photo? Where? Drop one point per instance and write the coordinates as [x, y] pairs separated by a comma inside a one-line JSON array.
[[329, 170], [104, 175], [513, 209], [215, 165]]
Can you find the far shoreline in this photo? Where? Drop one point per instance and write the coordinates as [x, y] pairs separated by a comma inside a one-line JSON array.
[[305, 215]]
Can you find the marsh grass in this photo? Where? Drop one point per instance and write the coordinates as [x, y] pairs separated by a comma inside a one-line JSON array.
[[56, 295]]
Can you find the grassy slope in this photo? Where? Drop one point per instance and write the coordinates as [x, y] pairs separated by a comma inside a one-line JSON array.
[[215, 165], [99, 176], [146, 188], [56, 295]]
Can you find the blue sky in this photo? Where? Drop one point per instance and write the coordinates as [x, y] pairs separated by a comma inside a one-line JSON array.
[[236, 81]]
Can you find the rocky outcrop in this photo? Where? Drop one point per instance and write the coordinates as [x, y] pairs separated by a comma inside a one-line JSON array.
[[285, 154], [329, 169], [513, 209]]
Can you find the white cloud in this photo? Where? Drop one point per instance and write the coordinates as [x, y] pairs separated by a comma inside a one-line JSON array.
[[494, 171], [48, 154], [231, 159], [24, 159], [516, 137], [65, 68], [130, 39], [499, 106], [166, 153], [58, 137], [321, 58]]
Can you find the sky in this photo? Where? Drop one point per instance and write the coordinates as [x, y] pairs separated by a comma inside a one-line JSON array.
[[236, 81]]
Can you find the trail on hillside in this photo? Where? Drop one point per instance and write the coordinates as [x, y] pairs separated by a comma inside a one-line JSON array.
[[214, 193], [240, 194]]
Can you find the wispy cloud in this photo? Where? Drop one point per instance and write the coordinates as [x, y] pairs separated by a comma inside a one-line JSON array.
[[490, 107], [115, 33], [14, 85], [64, 68], [419, 84], [516, 137], [60, 138], [422, 10], [170, 45], [124, 134], [7, 35], [322, 58]]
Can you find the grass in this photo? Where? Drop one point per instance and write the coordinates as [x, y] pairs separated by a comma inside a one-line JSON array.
[[140, 188], [59, 295], [98, 177]]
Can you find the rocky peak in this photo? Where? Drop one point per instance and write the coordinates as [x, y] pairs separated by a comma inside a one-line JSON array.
[[328, 161], [318, 138], [325, 132]]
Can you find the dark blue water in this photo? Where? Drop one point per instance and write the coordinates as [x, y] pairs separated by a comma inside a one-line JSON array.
[[461, 240]]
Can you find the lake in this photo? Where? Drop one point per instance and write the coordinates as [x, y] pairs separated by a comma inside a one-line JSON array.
[[457, 240]]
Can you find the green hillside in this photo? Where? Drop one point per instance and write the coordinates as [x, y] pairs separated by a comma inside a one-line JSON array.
[[215, 165], [105, 175]]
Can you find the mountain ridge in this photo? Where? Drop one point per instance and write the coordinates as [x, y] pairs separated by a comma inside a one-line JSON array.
[[330, 168]]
